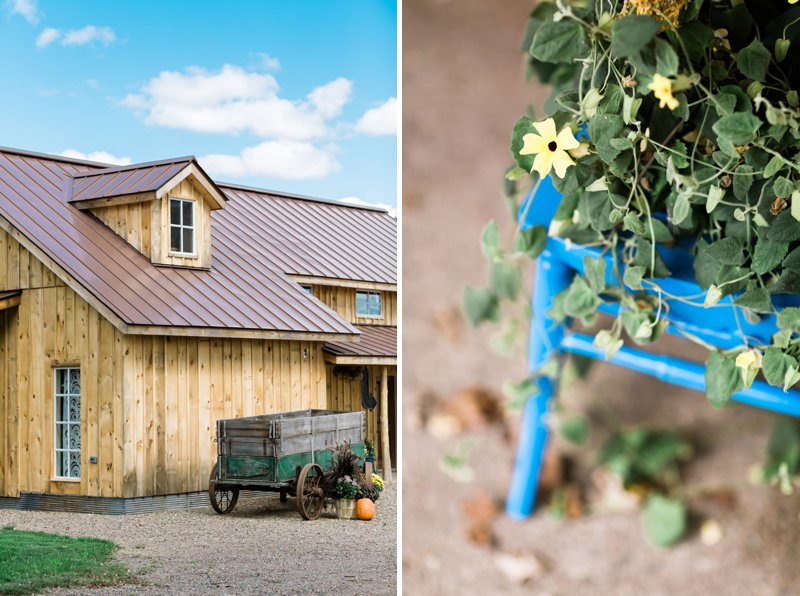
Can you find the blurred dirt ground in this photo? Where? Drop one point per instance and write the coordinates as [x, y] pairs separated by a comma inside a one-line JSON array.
[[463, 89]]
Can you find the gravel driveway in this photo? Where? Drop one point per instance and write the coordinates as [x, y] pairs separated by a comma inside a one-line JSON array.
[[264, 547]]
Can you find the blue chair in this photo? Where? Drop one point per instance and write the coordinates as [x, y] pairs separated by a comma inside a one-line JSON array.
[[556, 268]]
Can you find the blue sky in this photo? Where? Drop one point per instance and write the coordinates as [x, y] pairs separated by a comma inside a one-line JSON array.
[[296, 96]]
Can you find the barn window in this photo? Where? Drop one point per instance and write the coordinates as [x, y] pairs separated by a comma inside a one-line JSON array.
[[308, 290], [368, 304], [181, 226], [68, 422]]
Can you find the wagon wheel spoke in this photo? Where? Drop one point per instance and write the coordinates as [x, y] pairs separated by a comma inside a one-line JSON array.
[[222, 500], [310, 492]]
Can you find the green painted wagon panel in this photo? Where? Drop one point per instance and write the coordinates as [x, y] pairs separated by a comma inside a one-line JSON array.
[[264, 449], [280, 469]]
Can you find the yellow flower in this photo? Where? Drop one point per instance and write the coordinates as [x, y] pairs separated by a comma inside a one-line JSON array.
[[792, 1], [662, 89], [550, 148]]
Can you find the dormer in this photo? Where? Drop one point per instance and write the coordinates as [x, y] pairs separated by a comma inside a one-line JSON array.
[[163, 208]]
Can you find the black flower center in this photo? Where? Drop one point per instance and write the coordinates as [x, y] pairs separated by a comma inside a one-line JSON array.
[[552, 145]]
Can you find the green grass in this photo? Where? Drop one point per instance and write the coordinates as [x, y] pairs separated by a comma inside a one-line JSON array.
[[34, 561]]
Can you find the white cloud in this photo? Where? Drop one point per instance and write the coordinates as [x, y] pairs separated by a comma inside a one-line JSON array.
[[47, 36], [268, 62], [89, 34], [331, 98], [101, 156], [357, 201], [233, 101], [381, 120], [27, 8], [76, 37], [287, 160]]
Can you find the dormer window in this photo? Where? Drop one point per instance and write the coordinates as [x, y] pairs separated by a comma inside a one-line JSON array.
[[182, 226]]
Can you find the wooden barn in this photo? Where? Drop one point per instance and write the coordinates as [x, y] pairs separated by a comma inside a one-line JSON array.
[[141, 303]]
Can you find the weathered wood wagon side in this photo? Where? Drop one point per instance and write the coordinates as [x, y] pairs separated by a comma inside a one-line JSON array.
[[282, 453]]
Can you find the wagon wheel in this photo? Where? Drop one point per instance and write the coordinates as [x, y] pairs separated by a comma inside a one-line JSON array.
[[222, 500], [310, 492]]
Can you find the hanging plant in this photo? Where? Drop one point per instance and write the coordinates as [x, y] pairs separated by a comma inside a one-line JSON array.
[[673, 129], [672, 124]]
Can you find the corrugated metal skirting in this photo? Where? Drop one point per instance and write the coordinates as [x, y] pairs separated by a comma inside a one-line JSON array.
[[104, 505]]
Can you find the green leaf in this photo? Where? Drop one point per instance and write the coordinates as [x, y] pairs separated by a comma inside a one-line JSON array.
[[774, 166], [559, 42], [768, 255], [644, 257], [630, 34], [775, 364], [481, 304], [531, 241], [595, 272], [602, 129], [756, 300], [680, 209], [715, 195], [505, 280], [793, 260], [575, 429], [789, 319], [753, 61], [788, 283], [722, 379], [784, 228], [739, 128], [742, 181], [580, 301], [727, 251], [633, 277], [490, 240], [634, 224], [795, 208], [664, 520], [783, 187], [666, 58], [521, 128], [516, 173]]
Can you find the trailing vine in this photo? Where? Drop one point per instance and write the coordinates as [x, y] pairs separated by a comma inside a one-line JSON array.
[[673, 124]]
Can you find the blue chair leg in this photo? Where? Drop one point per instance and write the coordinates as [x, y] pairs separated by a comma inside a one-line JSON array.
[[552, 277]]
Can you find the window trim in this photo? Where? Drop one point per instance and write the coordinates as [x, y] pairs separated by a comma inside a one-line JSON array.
[[57, 423], [176, 253], [369, 293]]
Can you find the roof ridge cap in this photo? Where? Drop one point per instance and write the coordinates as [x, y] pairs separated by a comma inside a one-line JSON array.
[[299, 197], [134, 166]]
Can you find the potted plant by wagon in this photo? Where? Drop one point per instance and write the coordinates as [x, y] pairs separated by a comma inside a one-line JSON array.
[[665, 192], [350, 487]]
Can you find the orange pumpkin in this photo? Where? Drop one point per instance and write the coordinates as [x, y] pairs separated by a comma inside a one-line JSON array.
[[365, 509]]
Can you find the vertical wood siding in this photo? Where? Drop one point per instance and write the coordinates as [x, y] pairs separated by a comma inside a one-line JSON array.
[[148, 404], [145, 226], [182, 386], [345, 394], [19, 269], [343, 302]]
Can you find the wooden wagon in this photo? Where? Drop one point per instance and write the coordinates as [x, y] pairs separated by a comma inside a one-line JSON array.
[[284, 453]]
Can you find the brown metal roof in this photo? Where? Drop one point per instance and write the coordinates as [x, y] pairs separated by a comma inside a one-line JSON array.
[[311, 237], [9, 294], [243, 291], [128, 180], [375, 341]]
